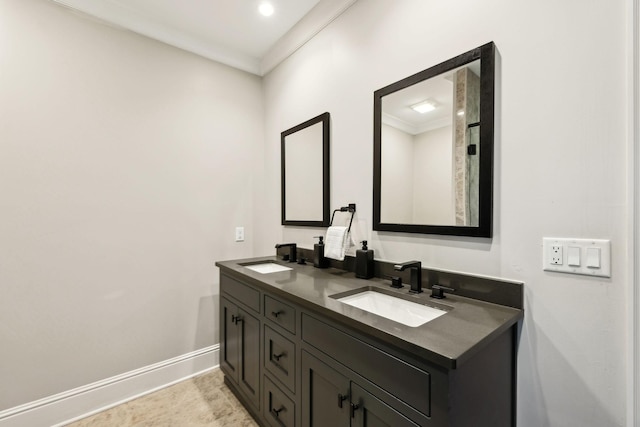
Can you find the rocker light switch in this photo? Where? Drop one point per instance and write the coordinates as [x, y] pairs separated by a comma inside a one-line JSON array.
[[573, 256], [593, 257]]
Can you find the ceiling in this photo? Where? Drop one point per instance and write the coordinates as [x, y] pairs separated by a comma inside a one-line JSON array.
[[227, 31], [439, 90]]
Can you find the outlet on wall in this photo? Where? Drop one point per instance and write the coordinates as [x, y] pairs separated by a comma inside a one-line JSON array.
[[590, 257], [556, 255]]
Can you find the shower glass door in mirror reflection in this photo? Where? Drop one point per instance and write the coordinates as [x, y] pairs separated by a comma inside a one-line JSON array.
[[430, 150]]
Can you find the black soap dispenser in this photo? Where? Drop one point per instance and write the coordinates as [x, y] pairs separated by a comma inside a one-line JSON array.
[[364, 262], [319, 260]]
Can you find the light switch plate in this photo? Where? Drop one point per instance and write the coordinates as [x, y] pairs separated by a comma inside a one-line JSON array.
[[239, 234], [577, 251]]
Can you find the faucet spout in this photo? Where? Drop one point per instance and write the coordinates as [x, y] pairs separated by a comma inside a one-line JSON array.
[[416, 274], [291, 256]]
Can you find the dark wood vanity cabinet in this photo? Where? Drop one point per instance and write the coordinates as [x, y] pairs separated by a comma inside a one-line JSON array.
[[290, 366], [258, 353], [240, 347], [279, 409], [325, 394], [369, 411], [240, 353], [331, 399]]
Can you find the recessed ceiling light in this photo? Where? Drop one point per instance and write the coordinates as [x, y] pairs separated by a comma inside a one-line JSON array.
[[266, 9], [424, 106]]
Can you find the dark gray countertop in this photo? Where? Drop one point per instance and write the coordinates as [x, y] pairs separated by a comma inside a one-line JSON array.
[[448, 340]]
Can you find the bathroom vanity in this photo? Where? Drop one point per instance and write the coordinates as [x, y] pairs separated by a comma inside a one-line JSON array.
[[295, 355]]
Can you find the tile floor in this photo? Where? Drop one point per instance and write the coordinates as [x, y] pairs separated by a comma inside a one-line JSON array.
[[200, 401]]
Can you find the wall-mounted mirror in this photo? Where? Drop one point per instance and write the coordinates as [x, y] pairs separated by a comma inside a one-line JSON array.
[[305, 173], [433, 149]]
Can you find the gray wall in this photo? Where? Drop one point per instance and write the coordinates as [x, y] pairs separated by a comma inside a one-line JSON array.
[[561, 169], [125, 165]]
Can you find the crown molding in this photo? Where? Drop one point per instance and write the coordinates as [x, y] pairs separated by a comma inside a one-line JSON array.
[[121, 16], [311, 24]]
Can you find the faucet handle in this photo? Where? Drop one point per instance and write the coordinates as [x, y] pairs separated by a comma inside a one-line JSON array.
[[437, 291], [396, 281]]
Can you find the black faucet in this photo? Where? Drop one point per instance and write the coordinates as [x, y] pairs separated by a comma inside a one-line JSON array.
[[291, 257], [416, 274]]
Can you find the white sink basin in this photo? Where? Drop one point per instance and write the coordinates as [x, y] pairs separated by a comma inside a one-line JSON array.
[[267, 267], [396, 309]]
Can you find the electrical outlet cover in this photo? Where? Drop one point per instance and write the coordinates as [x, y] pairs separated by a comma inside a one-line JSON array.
[[555, 255], [555, 258]]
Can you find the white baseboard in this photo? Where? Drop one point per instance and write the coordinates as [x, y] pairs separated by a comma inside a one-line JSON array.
[[63, 408]]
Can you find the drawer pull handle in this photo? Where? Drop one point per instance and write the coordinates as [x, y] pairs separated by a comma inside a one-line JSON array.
[[276, 412], [278, 356], [277, 313], [354, 406], [341, 398]]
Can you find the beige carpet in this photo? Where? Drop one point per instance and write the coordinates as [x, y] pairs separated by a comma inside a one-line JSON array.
[[200, 401]]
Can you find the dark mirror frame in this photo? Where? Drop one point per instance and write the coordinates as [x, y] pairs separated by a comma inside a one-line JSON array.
[[486, 55], [323, 118]]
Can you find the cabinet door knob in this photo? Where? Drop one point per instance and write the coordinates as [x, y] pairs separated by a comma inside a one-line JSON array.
[[354, 407], [276, 412], [341, 398], [236, 319], [277, 313], [278, 356]]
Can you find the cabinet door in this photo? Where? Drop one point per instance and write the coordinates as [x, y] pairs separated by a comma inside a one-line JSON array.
[[249, 357], [325, 394], [369, 411], [229, 341]]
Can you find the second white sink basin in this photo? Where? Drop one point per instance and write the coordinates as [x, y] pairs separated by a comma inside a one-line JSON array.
[[396, 309], [268, 267]]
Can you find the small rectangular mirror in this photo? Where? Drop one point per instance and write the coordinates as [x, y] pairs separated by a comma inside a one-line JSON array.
[[305, 173]]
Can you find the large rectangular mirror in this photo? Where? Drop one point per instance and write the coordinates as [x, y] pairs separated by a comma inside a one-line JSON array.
[[433, 148], [305, 173]]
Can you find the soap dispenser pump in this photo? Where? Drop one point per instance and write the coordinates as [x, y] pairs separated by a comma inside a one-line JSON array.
[[319, 260], [364, 262]]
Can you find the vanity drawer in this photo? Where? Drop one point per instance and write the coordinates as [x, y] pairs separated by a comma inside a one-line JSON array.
[[280, 357], [243, 293], [279, 410], [399, 378], [280, 313]]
